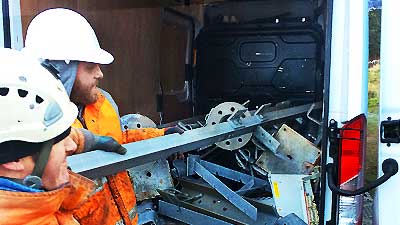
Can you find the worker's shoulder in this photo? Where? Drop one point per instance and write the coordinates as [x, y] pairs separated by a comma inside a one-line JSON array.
[[106, 94], [110, 99]]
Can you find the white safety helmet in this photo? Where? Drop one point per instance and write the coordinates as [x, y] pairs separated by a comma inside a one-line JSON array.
[[63, 34], [34, 104]]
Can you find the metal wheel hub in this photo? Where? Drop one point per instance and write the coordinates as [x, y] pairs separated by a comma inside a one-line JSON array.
[[220, 114], [136, 121]]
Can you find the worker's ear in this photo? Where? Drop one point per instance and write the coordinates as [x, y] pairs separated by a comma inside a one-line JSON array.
[[14, 166]]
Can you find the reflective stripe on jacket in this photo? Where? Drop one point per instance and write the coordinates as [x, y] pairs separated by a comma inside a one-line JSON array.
[[115, 201]]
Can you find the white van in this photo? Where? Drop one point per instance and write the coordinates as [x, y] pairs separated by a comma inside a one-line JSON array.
[[296, 51]]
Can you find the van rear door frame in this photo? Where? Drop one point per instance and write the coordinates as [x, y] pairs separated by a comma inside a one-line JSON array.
[[11, 25]]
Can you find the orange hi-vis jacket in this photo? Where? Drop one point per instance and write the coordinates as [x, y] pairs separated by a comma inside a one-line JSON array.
[[114, 201], [50, 207]]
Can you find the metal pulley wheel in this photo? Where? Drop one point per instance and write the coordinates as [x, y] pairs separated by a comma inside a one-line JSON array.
[[136, 121], [220, 114]]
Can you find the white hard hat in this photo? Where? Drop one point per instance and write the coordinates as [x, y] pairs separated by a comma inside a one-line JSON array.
[[34, 104], [63, 34]]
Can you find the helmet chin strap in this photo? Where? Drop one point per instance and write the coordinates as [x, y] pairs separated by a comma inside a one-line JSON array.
[[35, 179]]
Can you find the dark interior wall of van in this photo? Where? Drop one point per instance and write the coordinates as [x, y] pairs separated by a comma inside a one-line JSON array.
[[146, 50]]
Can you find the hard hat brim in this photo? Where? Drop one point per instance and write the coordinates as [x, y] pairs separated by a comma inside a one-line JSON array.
[[99, 56]]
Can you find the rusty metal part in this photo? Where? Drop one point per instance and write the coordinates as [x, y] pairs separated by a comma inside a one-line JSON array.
[[272, 163], [295, 155], [149, 177], [220, 114]]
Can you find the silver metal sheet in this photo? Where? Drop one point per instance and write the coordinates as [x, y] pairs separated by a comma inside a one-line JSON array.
[[296, 148], [149, 177], [271, 163], [99, 163], [289, 195], [295, 154]]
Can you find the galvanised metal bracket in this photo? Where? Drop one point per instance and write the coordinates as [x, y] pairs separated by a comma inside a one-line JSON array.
[[194, 167], [236, 118], [186, 215], [266, 139]]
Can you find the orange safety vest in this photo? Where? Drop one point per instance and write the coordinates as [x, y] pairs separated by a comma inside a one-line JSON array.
[[114, 200], [50, 207]]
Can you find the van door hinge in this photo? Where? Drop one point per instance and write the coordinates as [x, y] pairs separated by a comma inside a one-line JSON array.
[[390, 131], [333, 135]]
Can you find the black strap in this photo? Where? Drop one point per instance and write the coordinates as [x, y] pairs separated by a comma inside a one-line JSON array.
[[81, 110], [43, 158], [47, 65]]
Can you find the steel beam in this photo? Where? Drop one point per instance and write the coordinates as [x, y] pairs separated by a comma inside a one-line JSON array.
[[97, 164]]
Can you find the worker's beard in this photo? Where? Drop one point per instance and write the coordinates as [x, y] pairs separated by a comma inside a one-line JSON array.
[[82, 94]]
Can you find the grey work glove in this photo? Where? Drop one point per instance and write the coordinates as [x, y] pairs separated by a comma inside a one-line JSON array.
[[173, 130], [103, 143]]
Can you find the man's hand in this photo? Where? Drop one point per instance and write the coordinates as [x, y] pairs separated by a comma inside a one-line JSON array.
[[108, 144], [173, 130], [175, 156], [104, 143]]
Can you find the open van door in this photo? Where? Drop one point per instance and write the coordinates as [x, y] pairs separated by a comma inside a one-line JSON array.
[[388, 198], [348, 98], [10, 25], [348, 105]]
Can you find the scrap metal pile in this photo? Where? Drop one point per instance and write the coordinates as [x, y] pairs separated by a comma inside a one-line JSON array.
[[242, 167]]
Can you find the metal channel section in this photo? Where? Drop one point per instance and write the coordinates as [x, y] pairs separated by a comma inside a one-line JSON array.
[[266, 139], [231, 174], [243, 205], [203, 199], [186, 215], [142, 152]]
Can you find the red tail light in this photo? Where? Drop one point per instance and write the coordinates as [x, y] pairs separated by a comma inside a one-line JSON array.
[[352, 149], [351, 169]]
